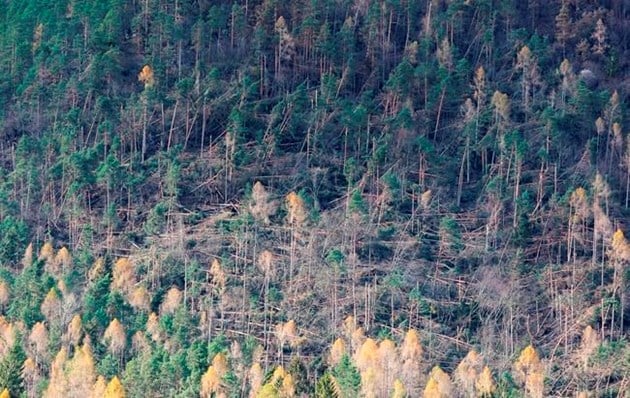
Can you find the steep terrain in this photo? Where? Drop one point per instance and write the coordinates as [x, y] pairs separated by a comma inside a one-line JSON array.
[[314, 198]]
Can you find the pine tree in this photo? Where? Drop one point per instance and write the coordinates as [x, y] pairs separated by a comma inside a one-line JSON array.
[[327, 387], [11, 367]]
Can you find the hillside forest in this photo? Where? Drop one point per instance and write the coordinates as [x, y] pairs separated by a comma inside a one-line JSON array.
[[314, 198]]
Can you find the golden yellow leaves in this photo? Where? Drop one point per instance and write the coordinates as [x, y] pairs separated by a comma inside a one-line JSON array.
[[211, 381], [146, 76], [115, 337], [114, 389], [529, 370], [297, 213]]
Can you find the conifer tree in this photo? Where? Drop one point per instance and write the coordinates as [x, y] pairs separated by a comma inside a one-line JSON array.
[[114, 389], [51, 306], [172, 301], [38, 338], [468, 372], [99, 388], [411, 357], [337, 350], [57, 384], [529, 370], [80, 371], [439, 384], [485, 384], [115, 337], [262, 206], [123, 275], [11, 367]]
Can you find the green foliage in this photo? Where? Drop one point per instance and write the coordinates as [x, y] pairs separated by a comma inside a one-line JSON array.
[[325, 387], [14, 236], [28, 290], [11, 369], [347, 376]]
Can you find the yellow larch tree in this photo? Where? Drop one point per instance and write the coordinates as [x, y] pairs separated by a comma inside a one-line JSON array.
[[337, 351], [146, 76], [99, 388], [81, 371], [256, 376], [589, 344], [348, 327], [266, 263], [47, 253], [485, 384], [51, 306], [38, 339], [63, 260], [27, 258], [4, 294], [529, 371], [262, 207], [140, 299], [467, 373], [210, 383], [97, 269], [114, 389], [7, 336], [439, 384], [367, 355], [74, 331], [280, 385], [399, 389], [57, 382], [369, 383], [30, 376], [219, 278], [140, 343], [123, 275], [5, 394], [357, 339], [172, 301], [115, 337], [296, 209], [388, 366], [153, 327], [411, 358]]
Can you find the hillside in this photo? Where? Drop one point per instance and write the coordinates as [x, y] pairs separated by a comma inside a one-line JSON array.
[[314, 198]]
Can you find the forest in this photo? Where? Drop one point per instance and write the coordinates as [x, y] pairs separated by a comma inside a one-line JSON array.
[[314, 198]]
